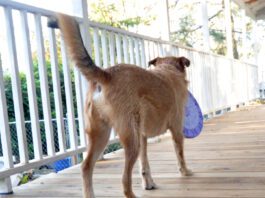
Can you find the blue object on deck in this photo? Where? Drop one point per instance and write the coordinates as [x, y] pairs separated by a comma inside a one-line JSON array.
[[193, 118], [62, 164]]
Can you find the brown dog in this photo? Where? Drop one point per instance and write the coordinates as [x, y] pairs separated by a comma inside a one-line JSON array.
[[137, 103]]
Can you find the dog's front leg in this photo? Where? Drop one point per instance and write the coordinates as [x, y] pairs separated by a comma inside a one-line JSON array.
[[178, 141], [147, 180]]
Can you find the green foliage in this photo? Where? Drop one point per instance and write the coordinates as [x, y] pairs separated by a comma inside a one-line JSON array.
[[134, 21], [102, 13], [107, 13], [185, 35], [112, 147], [219, 38], [24, 90], [9, 98]]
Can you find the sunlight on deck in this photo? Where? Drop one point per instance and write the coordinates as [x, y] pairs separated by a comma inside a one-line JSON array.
[[228, 160]]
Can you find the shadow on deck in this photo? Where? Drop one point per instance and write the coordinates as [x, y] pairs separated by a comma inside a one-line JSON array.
[[228, 160]]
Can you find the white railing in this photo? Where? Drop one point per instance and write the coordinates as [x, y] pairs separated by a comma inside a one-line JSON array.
[[216, 81]]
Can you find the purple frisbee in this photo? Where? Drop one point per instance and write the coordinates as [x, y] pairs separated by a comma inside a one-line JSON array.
[[193, 122]]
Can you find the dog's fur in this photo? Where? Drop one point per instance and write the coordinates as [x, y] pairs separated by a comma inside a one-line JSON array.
[[137, 103]]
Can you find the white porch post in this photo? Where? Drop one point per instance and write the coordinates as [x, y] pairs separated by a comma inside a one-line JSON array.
[[228, 27], [164, 20], [87, 41], [205, 27], [80, 9], [5, 186]]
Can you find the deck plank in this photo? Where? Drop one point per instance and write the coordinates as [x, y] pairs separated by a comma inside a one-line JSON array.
[[227, 160]]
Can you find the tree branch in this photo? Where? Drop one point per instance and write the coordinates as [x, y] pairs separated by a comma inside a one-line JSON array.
[[199, 27]]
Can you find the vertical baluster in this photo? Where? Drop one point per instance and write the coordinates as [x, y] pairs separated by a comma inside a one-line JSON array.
[[213, 86], [171, 50], [16, 88], [210, 79], [81, 81], [147, 52], [44, 87], [143, 56], [160, 50], [80, 106], [5, 183], [191, 71], [125, 49], [104, 49], [97, 47], [199, 80], [137, 52], [112, 62], [205, 82], [118, 48], [112, 48], [165, 49], [34, 114], [69, 98], [154, 48], [150, 50], [57, 90], [131, 51], [176, 51]]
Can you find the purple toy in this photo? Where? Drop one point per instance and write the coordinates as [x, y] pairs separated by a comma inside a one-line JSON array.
[[193, 118]]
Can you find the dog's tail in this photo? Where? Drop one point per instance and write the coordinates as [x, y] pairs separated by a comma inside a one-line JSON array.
[[74, 43]]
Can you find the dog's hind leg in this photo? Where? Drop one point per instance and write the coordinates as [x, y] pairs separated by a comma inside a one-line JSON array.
[[178, 141], [98, 136], [131, 143], [148, 183]]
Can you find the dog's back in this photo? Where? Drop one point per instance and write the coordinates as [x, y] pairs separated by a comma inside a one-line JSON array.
[[135, 91]]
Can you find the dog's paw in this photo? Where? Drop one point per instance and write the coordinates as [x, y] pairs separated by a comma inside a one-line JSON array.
[[131, 196], [186, 172], [150, 186]]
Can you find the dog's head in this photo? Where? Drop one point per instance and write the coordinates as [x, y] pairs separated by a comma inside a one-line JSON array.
[[180, 63]]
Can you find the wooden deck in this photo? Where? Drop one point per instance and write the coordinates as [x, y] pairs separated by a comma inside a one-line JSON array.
[[228, 160]]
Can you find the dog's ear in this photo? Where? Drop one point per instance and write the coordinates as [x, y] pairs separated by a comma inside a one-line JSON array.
[[153, 62], [182, 63]]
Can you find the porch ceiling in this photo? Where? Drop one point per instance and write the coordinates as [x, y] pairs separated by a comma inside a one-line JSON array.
[[254, 8]]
